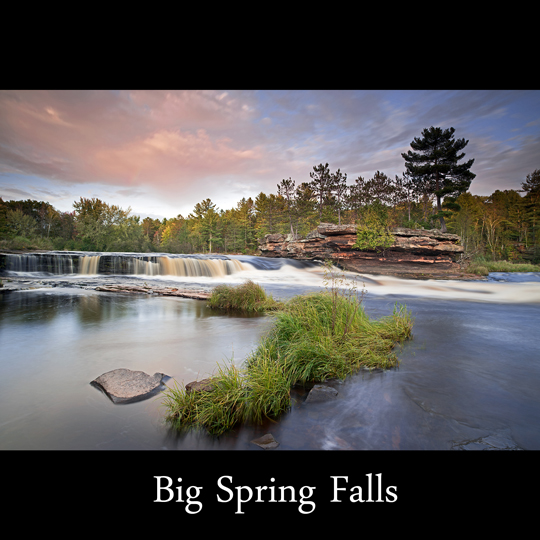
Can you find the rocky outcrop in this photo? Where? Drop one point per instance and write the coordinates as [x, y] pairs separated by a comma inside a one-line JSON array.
[[412, 252]]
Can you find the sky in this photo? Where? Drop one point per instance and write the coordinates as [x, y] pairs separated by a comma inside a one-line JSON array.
[[160, 152]]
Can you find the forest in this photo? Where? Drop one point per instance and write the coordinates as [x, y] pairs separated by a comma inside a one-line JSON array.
[[501, 226]]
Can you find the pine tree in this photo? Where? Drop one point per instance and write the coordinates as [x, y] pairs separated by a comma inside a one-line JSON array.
[[286, 190], [321, 185], [338, 182], [434, 166]]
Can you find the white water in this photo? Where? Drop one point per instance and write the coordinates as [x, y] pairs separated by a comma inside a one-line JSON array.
[[276, 274], [477, 291]]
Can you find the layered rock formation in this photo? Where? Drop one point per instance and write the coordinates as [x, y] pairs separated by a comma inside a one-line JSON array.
[[413, 252]]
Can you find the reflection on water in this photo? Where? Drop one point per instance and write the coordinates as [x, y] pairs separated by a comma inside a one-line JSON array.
[[55, 342], [470, 375]]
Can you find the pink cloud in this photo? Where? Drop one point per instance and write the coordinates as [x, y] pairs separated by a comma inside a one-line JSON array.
[[157, 137], [167, 157]]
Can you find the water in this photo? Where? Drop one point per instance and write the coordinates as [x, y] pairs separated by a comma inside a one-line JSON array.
[[469, 379]]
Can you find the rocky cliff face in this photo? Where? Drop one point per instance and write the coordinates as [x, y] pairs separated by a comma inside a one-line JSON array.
[[414, 252]]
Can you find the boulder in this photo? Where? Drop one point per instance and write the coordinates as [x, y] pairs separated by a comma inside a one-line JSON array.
[[126, 386]]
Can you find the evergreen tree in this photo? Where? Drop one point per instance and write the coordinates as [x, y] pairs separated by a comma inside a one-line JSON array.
[[305, 208], [338, 182], [321, 185], [287, 191], [206, 218], [434, 166]]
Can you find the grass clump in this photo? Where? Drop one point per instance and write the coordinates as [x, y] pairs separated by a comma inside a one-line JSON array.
[[314, 337], [238, 395], [483, 267], [248, 296], [317, 337]]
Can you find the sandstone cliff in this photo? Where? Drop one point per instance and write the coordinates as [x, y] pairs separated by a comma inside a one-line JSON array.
[[428, 253]]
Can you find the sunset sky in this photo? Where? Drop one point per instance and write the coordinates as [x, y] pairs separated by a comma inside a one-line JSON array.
[[160, 152]]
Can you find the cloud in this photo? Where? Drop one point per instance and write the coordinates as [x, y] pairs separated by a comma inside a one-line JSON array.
[[176, 148], [160, 138]]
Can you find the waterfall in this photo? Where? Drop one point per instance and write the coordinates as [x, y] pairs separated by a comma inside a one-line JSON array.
[[89, 264], [124, 264], [39, 262]]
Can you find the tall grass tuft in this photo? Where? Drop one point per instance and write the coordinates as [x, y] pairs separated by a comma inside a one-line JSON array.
[[238, 395], [317, 337], [248, 296]]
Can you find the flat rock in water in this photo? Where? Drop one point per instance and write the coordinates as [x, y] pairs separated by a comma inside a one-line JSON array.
[[126, 386], [161, 291], [266, 441], [321, 393]]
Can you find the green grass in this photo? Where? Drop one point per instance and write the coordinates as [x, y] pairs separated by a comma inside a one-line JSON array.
[[482, 267], [317, 337], [314, 337], [239, 395], [248, 296]]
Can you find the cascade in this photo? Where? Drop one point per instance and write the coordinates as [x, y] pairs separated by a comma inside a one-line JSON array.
[[51, 263], [124, 264], [89, 264]]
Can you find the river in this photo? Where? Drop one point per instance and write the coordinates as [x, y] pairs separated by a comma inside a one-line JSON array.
[[469, 379]]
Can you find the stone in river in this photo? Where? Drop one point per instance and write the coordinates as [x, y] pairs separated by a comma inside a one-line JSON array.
[[126, 386], [266, 441], [321, 393]]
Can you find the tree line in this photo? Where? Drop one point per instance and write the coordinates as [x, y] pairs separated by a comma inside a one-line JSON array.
[[431, 193]]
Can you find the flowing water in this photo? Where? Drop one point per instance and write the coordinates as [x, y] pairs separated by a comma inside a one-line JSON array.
[[469, 378]]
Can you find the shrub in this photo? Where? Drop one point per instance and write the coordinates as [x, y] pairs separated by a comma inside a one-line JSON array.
[[372, 234]]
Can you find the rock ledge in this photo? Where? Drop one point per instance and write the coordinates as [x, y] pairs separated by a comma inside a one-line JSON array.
[[414, 251]]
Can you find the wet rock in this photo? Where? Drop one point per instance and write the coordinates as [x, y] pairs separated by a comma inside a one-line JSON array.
[[205, 385], [321, 393], [127, 386], [266, 441], [161, 291]]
